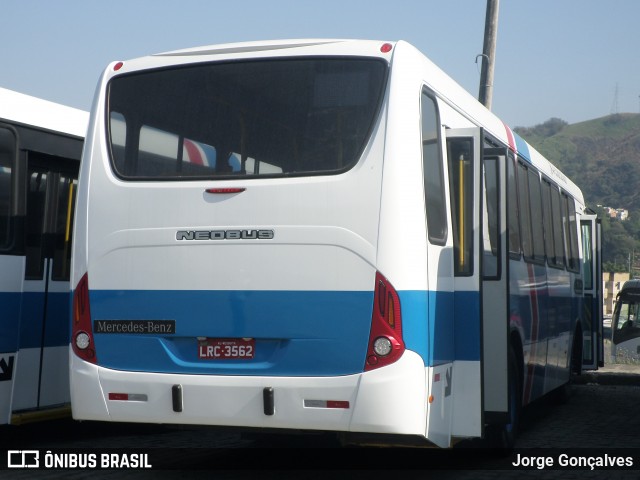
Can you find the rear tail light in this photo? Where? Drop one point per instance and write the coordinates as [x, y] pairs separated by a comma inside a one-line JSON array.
[[81, 332], [385, 340]]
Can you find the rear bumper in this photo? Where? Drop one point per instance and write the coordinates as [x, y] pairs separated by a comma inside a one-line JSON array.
[[388, 400]]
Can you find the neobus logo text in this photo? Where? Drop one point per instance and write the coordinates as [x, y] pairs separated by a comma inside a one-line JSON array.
[[224, 234]]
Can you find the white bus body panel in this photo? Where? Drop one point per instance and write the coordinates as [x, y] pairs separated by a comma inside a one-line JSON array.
[[238, 401], [28, 110]]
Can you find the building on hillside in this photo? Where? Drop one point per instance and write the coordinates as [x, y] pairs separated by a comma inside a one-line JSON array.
[[621, 214]]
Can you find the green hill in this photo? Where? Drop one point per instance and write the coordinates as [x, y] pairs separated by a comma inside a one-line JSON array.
[[602, 156]]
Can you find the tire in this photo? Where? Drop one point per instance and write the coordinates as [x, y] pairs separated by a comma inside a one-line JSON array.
[[575, 367], [562, 394]]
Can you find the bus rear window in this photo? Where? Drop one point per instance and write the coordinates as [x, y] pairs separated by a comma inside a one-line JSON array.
[[225, 120]]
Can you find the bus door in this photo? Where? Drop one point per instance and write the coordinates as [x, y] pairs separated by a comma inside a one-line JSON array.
[[592, 337], [494, 278], [42, 365], [463, 156]]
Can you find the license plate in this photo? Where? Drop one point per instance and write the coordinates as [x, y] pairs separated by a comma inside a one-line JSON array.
[[226, 348]]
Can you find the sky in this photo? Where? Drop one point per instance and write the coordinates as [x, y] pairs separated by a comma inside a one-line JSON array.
[[570, 59]]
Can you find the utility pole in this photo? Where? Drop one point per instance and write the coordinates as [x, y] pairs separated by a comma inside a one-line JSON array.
[[489, 53]]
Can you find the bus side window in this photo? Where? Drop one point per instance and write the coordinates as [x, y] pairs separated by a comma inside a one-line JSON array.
[[525, 212], [35, 227], [631, 316], [66, 194], [622, 315], [558, 236], [536, 216], [513, 217], [433, 175], [460, 155], [7, 157], [571, 235], [491, 219], [548, 222], [626, 323]]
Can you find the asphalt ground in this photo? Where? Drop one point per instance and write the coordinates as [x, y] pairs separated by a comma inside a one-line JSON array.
[[627, 373], [612, 374]]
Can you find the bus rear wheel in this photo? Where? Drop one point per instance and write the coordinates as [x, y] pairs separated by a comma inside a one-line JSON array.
[[564, 393]]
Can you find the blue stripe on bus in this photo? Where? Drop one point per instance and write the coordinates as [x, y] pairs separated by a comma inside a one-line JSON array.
[[441, 326], [9, 321], [467, 325], [56, 332], [298, 332], [21, 320], [415, 326], [522, 147]]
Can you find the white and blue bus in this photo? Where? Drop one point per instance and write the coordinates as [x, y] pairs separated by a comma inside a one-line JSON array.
[[40, 148], [322, 235], [625, 323]]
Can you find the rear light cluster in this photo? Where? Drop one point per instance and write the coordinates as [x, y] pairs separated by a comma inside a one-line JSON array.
[[81, 332], [385, 340]]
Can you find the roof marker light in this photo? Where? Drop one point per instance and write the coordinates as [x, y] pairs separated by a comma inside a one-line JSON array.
[[118, 66], [386, 48]]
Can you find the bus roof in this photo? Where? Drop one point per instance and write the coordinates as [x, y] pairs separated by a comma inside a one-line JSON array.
[[27, 110], [270, 47], [629, 286]]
